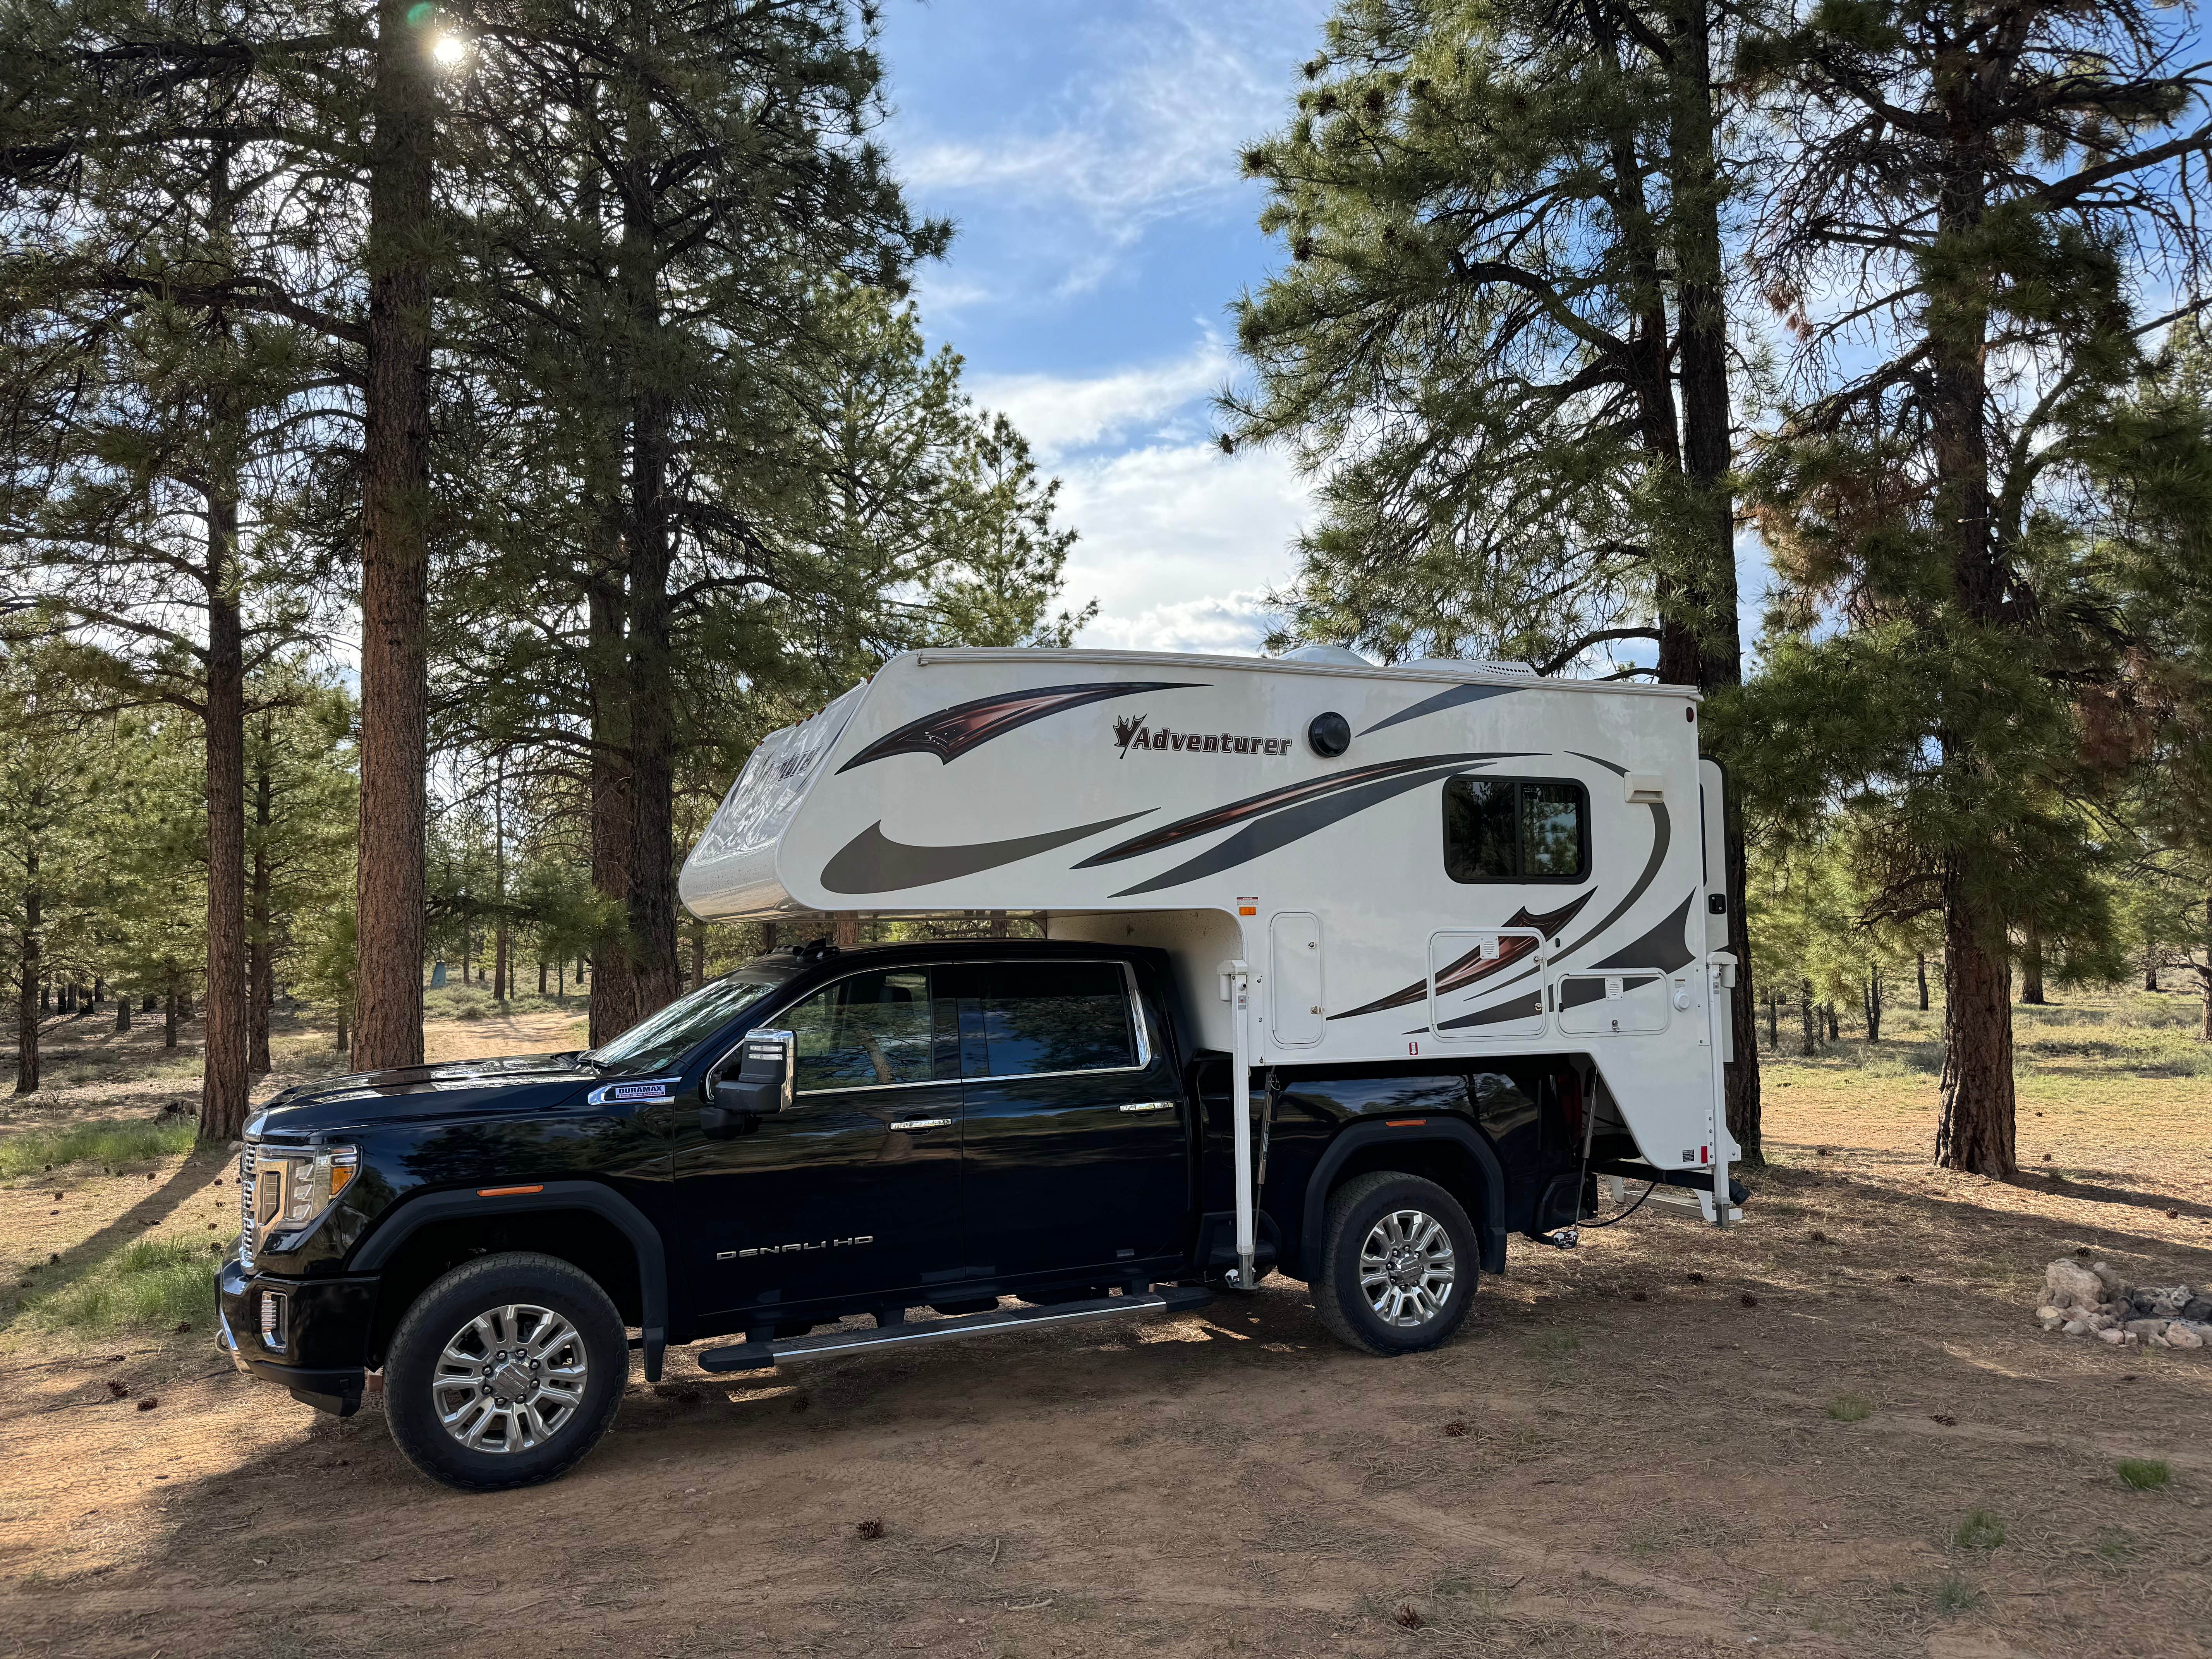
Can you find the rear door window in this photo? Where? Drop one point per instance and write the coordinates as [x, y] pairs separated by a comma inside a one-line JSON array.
[[1029, 1018]]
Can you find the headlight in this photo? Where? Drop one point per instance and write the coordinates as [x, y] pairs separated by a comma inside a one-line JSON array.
[[291, 1189]]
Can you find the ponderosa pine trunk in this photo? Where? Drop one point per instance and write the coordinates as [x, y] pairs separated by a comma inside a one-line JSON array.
[[1976, 1128], [395, 552], [122, 1014], [31, 946], [501, 974], [1973, 1130], [613, 1004], [1921, 963], [260, 960], [2030, 970], [223, 1072], [169, 1010]]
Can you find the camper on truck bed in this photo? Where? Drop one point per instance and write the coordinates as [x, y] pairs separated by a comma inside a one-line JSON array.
[[1351, 971]]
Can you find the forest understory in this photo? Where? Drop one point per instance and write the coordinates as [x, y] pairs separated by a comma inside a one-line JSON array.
[[1836, 1429]]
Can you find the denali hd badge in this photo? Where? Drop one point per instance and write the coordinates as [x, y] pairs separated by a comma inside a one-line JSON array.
[[786, 1249], [1131, 732]]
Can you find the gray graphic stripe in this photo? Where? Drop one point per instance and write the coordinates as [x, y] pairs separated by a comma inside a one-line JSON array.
[[872, 862], [1279, 828], [1497, 1014], [1457, 696], [1661, 948]]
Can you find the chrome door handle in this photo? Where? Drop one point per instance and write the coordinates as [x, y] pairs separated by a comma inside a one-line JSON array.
[[1151, 1106], [923, 1123]]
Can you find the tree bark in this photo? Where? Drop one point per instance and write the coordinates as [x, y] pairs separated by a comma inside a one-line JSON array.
[[845, 929], [27, 988], [1974, 1130], [698, 954], [502, 973], [395, 552], [122, 1013], [223, 1071], [613, 1005], [1921, 963], [541, 976], [1808, 1016], [2030, 970], [169, 1013], [260, 964], [1872, 1002]]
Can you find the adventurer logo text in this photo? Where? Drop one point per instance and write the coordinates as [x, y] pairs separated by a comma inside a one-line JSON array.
[[1130, 731]]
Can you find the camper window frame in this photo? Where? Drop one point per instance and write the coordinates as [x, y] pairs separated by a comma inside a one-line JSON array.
[[1137, 1018], [1584, 855]]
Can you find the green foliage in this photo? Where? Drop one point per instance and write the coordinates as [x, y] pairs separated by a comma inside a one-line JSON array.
[[151, 1284], [1849, 1408], [1980, 1530], [31, 1150], [2144, 1473]]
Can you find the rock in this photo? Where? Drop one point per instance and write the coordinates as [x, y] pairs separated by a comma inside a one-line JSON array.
[[2115, 1286], [2167, 1301], [2071, 1284], [2047, 1312], [2079, 1327], [2143, 1329], [2102, 1323], [2052, 1323], [2199, 1309], [2181, 1336], [2111, 1333]]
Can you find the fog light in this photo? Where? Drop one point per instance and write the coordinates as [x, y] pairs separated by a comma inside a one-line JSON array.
[[272, 1318]]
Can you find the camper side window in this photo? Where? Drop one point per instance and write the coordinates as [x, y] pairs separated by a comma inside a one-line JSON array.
[[864, 1032], [1515, 829]]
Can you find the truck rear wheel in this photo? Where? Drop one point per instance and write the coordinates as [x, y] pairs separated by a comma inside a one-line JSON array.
[[505, 1372], [1397, 1264]]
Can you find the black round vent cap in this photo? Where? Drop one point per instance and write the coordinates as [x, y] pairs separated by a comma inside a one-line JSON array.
[[1330, 734]]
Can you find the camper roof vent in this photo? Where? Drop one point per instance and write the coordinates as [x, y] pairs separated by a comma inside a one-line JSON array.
[[1343, 654]]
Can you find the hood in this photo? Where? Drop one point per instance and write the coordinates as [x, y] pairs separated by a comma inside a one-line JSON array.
[[521, 1082]]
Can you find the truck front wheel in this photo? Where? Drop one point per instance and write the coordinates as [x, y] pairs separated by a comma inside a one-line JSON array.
[[505, 1372], [1397, 1264]]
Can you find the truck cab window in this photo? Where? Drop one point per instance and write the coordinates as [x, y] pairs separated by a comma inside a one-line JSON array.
[[1027, 1018], [864, 1032], [1515, 829]]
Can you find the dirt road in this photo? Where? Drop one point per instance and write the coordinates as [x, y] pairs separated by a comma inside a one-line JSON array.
[[1612, 1459]]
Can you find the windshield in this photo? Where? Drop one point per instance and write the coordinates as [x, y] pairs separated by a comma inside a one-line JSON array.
[[654, 1043]]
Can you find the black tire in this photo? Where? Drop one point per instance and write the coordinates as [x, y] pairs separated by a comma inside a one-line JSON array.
[[414, 1383], [1356, 1210]]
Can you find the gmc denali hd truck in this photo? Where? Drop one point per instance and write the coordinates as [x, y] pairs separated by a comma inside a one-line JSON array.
[[1350, 973]]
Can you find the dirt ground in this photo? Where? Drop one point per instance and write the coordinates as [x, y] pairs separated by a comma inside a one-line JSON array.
[[1653, 1445]]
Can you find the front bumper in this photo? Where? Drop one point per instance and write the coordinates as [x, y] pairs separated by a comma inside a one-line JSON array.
[[319, 1350]]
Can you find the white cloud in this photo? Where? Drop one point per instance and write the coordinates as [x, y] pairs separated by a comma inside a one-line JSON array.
[[1060, 414], [1151, 130]]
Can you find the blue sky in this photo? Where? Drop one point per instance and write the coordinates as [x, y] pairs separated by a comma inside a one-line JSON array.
[[1087, 150]]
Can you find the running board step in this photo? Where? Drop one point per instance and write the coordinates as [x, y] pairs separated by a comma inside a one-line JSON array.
[[756, 1356]]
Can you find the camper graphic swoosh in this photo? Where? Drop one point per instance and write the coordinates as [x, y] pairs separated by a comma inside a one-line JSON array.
[[872, 862], [1475, 966], [1454, 697], [951, 732], [1280, 817]]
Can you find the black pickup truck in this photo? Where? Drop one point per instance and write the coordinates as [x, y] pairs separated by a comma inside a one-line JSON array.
[[1001, 1133]]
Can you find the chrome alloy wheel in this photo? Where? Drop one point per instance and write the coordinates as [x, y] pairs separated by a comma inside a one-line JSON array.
[[510, 1379], [1407, 1268]]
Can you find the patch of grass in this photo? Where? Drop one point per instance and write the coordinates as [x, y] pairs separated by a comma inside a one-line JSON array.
[[155, 1283], [1849, 1408], [2114, 1546], [29, 1152], [2144, 1473], [1554, 1344], [1954, 1595], [1981, 1530]]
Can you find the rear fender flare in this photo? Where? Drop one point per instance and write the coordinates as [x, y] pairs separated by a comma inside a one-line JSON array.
[[411, 1215], [1359, 1137]]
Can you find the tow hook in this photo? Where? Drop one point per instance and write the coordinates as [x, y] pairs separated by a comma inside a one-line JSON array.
[[1567, 1238]]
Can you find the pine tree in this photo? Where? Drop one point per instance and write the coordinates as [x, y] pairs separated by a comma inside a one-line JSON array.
[[1965, 203], [1502, 339]]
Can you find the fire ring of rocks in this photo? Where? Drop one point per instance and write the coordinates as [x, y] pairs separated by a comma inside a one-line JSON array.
[[2096, 1301]]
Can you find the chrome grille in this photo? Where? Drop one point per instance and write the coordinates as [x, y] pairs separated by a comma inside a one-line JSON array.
[[246, 1214]]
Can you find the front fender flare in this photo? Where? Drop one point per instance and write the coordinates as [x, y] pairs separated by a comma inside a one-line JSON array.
[[1357, 1137], [411, 1215]]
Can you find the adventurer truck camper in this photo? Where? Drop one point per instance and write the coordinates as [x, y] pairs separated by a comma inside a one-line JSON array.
[[1350, 970], [1439, 866]]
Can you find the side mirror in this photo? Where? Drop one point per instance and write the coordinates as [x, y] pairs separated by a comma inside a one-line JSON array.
[[763, 1085]]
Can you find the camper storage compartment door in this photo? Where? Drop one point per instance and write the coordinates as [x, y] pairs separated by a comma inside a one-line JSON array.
[[1295, 1004], [1466, 965], [1613, 1004]]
